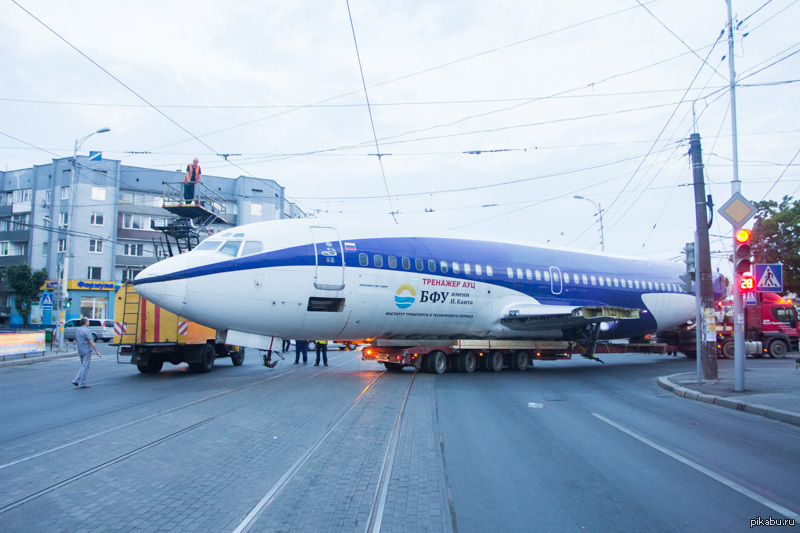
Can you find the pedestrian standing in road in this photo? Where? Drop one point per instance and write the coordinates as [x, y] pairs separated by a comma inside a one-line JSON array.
[[322, 347], [85, 345], [286, 345], [300, 346], [191, 177]]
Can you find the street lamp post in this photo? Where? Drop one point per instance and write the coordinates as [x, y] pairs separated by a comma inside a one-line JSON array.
[[599, 214], [67, 243]]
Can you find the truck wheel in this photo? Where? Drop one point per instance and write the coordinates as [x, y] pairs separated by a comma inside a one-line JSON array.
[[153, 366], [437, 362], [206, 360], [727, 349], [237, 357], [393, 367], [466, 361], [520, 360], [352, 346], [493, 361], [777, 349]]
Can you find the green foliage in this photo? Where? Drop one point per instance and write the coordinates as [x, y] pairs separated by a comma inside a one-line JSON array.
[[775, 238], [26, 285]]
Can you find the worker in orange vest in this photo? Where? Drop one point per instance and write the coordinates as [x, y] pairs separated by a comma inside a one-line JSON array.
[[191, 177]]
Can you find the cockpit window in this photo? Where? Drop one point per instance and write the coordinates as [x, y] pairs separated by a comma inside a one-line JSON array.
[[251, 247], [238, 235], [231, 247], [208, 244]]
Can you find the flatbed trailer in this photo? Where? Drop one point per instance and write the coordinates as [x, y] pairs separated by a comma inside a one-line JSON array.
[[467, 355], [147, 336]]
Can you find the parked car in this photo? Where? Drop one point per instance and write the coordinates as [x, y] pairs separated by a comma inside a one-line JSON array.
[[102, 329]]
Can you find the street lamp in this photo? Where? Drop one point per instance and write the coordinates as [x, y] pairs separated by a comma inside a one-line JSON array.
[[599, 214], [67, 251]]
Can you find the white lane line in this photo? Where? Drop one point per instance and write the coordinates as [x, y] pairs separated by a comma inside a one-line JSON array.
[[703, 470]]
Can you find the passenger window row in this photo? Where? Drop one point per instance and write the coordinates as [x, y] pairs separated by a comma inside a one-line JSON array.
[[554, 276]]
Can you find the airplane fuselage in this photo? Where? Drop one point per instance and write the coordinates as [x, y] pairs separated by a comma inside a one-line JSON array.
[[315, 279]]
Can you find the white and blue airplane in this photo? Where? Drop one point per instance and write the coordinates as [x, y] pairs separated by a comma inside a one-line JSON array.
[[314, 279]]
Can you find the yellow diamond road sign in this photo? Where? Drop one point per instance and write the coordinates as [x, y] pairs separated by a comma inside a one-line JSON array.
[[738, 210]]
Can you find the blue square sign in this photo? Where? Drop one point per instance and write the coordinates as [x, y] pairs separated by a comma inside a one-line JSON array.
[[769, 278]]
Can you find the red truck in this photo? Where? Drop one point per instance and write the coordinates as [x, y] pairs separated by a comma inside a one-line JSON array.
[[772, 321]]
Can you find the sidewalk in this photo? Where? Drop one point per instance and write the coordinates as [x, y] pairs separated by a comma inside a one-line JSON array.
[[772, 388], [38, 357]]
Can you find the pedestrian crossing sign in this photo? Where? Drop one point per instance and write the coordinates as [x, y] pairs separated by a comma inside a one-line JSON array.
[[769, 278], [750, 298]]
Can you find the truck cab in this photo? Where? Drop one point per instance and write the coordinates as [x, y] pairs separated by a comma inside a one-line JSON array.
[[772, 321]]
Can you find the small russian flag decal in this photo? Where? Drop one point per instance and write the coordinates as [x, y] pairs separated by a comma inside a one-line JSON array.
[[349, 246]]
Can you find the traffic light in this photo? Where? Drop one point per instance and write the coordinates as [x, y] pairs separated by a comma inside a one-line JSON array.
[[747, 283], [69, 303], [742, 252], [690, 260]]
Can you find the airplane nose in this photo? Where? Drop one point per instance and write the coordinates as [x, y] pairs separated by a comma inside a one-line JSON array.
[[163, 284]]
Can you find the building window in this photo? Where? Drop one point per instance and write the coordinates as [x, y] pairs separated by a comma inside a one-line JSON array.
[[256, 209], [129, 273], [99, 193], [19, 222], [95, 246], [97, 219], [22, 196], [62, 246], [4, 248], [6, 198], [63, 219], [44, 248], [134, 249], [94, 273], [134, 221], [65, 193], [94, 307]]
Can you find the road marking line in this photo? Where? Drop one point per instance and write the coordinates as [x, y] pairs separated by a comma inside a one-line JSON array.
[[703, 470]]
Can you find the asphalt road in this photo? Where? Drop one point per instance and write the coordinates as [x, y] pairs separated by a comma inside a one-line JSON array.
[[567, 446]]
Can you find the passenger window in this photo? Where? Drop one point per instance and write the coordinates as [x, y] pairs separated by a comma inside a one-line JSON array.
[[528, 274], [363, 260], [650, 285], [566, 277], [392, 261], [467, 269], [556, 277], [456, 268], [231, 248], [602, 281], [420, 264], [546, 275], [594, 280], [443, 267], [478, 270], [585, 279], [616, 282], [538, 275], [489, 270], [406, 263], [431, 265], [377, 260], [636, 282], [510, 272], [519, 273], [251, 247]]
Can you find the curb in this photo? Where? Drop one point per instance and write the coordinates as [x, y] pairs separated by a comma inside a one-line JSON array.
[[780, 415], [25, 360]]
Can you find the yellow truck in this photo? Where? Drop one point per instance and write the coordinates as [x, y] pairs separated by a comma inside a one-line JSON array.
[[148, 336]]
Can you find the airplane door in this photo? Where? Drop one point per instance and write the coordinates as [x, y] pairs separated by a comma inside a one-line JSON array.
[[555, 280], [330, 259]]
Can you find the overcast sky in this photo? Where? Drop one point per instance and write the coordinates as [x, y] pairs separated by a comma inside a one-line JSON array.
[[491, 116]]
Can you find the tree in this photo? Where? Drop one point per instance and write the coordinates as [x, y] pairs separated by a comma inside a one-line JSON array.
[[775, 238], [27, 288]]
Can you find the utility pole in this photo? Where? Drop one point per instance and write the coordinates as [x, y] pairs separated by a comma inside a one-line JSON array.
[[705, 288]]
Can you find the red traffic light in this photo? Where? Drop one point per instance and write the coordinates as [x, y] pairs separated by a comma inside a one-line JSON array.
[[743, 235]]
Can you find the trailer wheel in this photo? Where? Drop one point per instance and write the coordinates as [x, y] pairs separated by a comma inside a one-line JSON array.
[[153, 366], [493, 361], [466, 361], [727, 349], [520, 360], [437, 362], [777, 349], [237, 357], [393, 367]]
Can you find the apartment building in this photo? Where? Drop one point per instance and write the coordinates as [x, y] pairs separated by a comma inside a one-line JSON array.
[[109, 210]]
